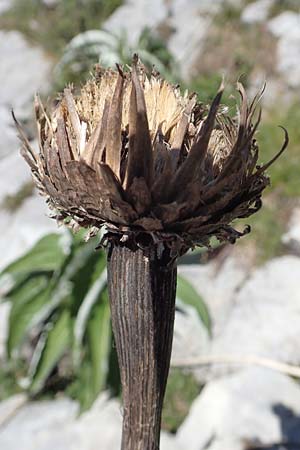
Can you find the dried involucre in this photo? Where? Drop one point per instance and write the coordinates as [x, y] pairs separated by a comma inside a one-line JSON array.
[[132, 153]]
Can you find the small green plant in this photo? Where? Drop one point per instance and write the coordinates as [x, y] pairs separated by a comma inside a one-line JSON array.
[[60, 308], [182, 389], [267, 229], [205, 86], [285, 176], [12, 202], [107, 48], [280, 6], [53, 27]]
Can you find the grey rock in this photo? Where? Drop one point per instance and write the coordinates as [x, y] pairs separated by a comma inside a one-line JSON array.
[[4, 313], [10, 407], [254, 405], [24, 70], [218, 282], [257, 11], [191, 338], [265, 318], [5, 5], [14, 173], [35, 422], [46, 425], [188, 21], [286, 27], [19, 231], [51, 2], [261, 308], [9, 140], [134, 15], [187, 42]]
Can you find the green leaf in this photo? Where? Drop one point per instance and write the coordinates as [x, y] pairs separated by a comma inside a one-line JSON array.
[[99, 343], [94, 368], [47, 255], [54, 344], [86, 275], [27, 302], [188, 295]]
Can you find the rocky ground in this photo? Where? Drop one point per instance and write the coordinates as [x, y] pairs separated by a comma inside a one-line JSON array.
[[255, 310]]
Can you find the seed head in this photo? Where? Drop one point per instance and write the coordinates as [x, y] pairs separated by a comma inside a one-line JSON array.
[[132, 153]]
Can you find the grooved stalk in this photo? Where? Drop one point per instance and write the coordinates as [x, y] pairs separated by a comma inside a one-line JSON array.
[[142, 290]]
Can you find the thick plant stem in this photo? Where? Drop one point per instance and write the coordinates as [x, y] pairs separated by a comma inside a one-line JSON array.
[[142, 290]]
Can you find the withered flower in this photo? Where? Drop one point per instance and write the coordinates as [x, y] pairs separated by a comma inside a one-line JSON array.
[[163, 174]]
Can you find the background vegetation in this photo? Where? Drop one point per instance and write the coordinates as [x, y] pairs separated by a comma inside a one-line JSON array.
[[60, 310]]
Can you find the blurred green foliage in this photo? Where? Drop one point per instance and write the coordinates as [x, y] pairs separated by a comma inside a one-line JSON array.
[[53, 27], [8, 384], [60, 309], [12, 202], [285, 173], [182, 389], [280, 6], [57, 291], [57, 307], [266, 231], [107, 48]]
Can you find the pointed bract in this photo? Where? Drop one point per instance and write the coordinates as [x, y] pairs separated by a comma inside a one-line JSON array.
[[130, 152]]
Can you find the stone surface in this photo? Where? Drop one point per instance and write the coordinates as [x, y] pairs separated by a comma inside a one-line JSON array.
[[218, 282], [48, 425], [254, 405], [35, 423], [286, 27], [23, 71], [19, 231], [5, 5], [257, 11], [10, 407], [261, 307], [265, 318], [14, 173], [185, 41], [134, 15], [190, 336], [285, 24], [292, 237], [4, 313], [9, 140]]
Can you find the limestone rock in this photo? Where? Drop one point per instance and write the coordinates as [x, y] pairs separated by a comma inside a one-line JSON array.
[[265, 318], [19, 231], [10, 407], [254, 406], [286, 27], [48, 425], [24, 70], [257, 11], [4, 313], [5, 5], [135, 15]]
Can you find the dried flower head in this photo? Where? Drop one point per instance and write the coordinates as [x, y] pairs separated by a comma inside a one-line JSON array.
[[132, 153]]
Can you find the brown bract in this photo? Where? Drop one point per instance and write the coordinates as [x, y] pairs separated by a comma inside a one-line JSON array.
[[132, 153]]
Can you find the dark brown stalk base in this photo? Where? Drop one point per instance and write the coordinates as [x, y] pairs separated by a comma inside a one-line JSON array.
[[142, 290]]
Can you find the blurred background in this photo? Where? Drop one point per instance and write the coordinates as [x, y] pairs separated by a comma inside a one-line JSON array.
[[234, 381]]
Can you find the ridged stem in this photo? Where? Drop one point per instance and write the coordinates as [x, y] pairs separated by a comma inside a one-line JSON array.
[[142, 290]]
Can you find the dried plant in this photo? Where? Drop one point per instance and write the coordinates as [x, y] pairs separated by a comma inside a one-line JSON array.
[[131, 152], [164, 174]]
